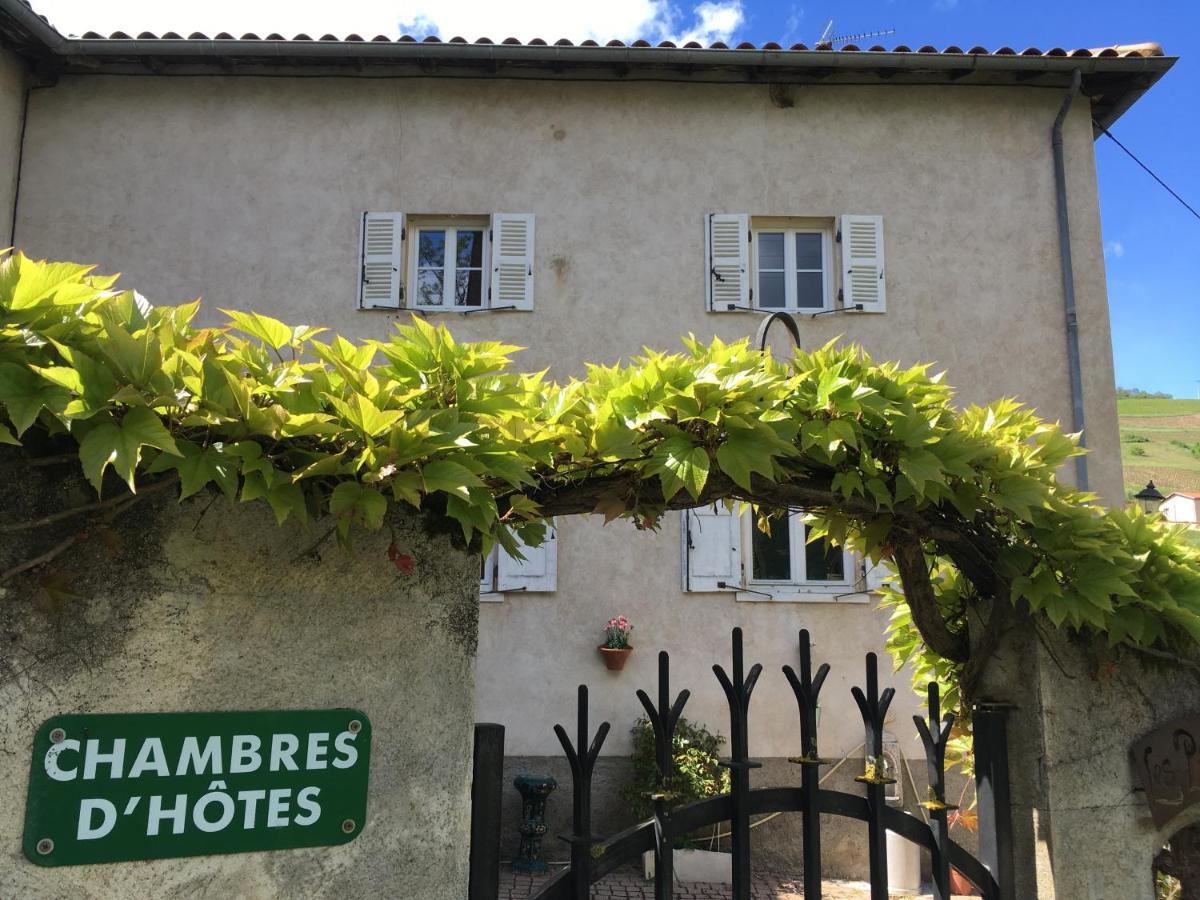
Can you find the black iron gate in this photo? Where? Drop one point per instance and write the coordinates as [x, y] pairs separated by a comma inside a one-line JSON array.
[[593, 858]]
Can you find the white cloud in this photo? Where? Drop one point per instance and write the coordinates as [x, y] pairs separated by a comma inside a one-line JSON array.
[[600, 20], [1114, 249]]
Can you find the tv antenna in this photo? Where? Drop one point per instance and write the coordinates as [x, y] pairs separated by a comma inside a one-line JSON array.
[[828, 37]]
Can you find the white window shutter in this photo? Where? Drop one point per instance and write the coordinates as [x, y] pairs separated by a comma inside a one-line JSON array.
[[876, 574], [862, 263], [728, 258], [537, 572], [379, 280], [712, 549], [512, 261]]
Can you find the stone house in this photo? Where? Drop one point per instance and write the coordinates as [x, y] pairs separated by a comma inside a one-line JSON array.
[[583, 202]]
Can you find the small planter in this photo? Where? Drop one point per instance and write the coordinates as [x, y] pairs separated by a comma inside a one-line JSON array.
[[706, 866], [614, 658]]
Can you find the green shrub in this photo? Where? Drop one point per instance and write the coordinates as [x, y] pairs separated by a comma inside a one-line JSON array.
[[697, 775], [1131, 438], [1137, 451]]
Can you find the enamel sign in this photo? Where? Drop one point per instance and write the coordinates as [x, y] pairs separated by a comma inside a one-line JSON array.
[[112, 788]]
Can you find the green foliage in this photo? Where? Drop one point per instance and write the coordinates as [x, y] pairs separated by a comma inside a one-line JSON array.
[[1138, 394], [695, 751], [318, 425]]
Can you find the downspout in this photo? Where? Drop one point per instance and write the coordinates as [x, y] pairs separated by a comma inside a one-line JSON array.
[[1068, 279], [16, 198]]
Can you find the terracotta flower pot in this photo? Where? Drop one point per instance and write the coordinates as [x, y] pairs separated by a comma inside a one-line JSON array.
[[615, 658], [960, 885]]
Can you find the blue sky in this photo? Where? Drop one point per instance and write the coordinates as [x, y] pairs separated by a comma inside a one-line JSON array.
[[1151, 242]]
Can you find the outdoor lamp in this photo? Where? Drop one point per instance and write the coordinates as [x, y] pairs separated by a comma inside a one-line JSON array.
[[1149, 498]]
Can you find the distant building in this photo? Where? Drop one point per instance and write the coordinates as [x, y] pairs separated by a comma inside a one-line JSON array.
[[1182, 508]]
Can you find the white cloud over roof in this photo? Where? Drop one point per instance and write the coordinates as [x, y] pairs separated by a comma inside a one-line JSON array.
[[577, 20]]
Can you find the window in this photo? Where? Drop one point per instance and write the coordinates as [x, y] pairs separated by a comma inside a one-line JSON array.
[[727, 552], [446, 263], [793, 264], [785, 556], [791, 269], [448, 266], [500, 573]]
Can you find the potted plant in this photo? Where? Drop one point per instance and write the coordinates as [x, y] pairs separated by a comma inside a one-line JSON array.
[[615, 648], [698, 775]]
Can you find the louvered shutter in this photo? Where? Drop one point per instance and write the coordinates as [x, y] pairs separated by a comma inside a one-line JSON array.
[[537, 572], [862, 263], [512, 260], [712, 549], [728, 259], [379, 281]]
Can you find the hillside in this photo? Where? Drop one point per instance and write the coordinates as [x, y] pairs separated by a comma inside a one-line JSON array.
[[1160, 440]]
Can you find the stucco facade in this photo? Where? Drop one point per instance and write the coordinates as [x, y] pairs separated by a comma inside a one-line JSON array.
[[12, 105], [249, 192]]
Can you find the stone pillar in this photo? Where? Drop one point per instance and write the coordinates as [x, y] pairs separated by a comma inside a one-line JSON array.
[[212, 606], [1082, 828]]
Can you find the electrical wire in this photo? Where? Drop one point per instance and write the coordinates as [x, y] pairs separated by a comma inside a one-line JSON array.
[[1108, 134]]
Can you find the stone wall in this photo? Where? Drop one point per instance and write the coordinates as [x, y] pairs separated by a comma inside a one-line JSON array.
[[206, 605], [1081, 823]]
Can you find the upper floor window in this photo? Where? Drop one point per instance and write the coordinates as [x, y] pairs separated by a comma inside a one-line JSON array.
[[446, 263], [448, 267], [792, 269], [793, 264]]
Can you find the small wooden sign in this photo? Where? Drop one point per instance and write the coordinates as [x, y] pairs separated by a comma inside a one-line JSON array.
[[1166, 763]]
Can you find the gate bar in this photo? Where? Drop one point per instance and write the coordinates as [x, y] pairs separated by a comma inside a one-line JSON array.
[[992, 794], [486, 799], [737, 693]]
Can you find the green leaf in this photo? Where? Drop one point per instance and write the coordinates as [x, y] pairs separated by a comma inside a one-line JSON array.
[[120, 445], [353, 502], [741, 456], [449, 476], [270, 331], [25, 393]]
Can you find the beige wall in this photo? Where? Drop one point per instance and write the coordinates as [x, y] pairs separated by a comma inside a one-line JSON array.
[[249, 192], [12, 103]]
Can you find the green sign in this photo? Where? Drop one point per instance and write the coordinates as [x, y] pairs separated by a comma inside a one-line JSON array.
[[108, 788]]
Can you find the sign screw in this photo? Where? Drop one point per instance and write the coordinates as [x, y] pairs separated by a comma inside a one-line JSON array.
[[57, 736], [44, 846], [347, 826], [355, 726]]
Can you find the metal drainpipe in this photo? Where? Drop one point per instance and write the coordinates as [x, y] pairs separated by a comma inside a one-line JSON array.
[[1068, 279]]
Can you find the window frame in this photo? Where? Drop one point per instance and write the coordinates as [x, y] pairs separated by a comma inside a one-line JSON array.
[[759, 226], [487, 579], [850, 587], [417, 224]]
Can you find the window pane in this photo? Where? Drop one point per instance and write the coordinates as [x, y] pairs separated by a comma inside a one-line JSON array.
[[432, 249], [468, 290], [771, 294], [770, 250], [808, 251], [470, 249], [810, 292], [772, 552], [823, 561], [429, 287]]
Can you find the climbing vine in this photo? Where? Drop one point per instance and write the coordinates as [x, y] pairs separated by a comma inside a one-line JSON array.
[[963, 503]]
